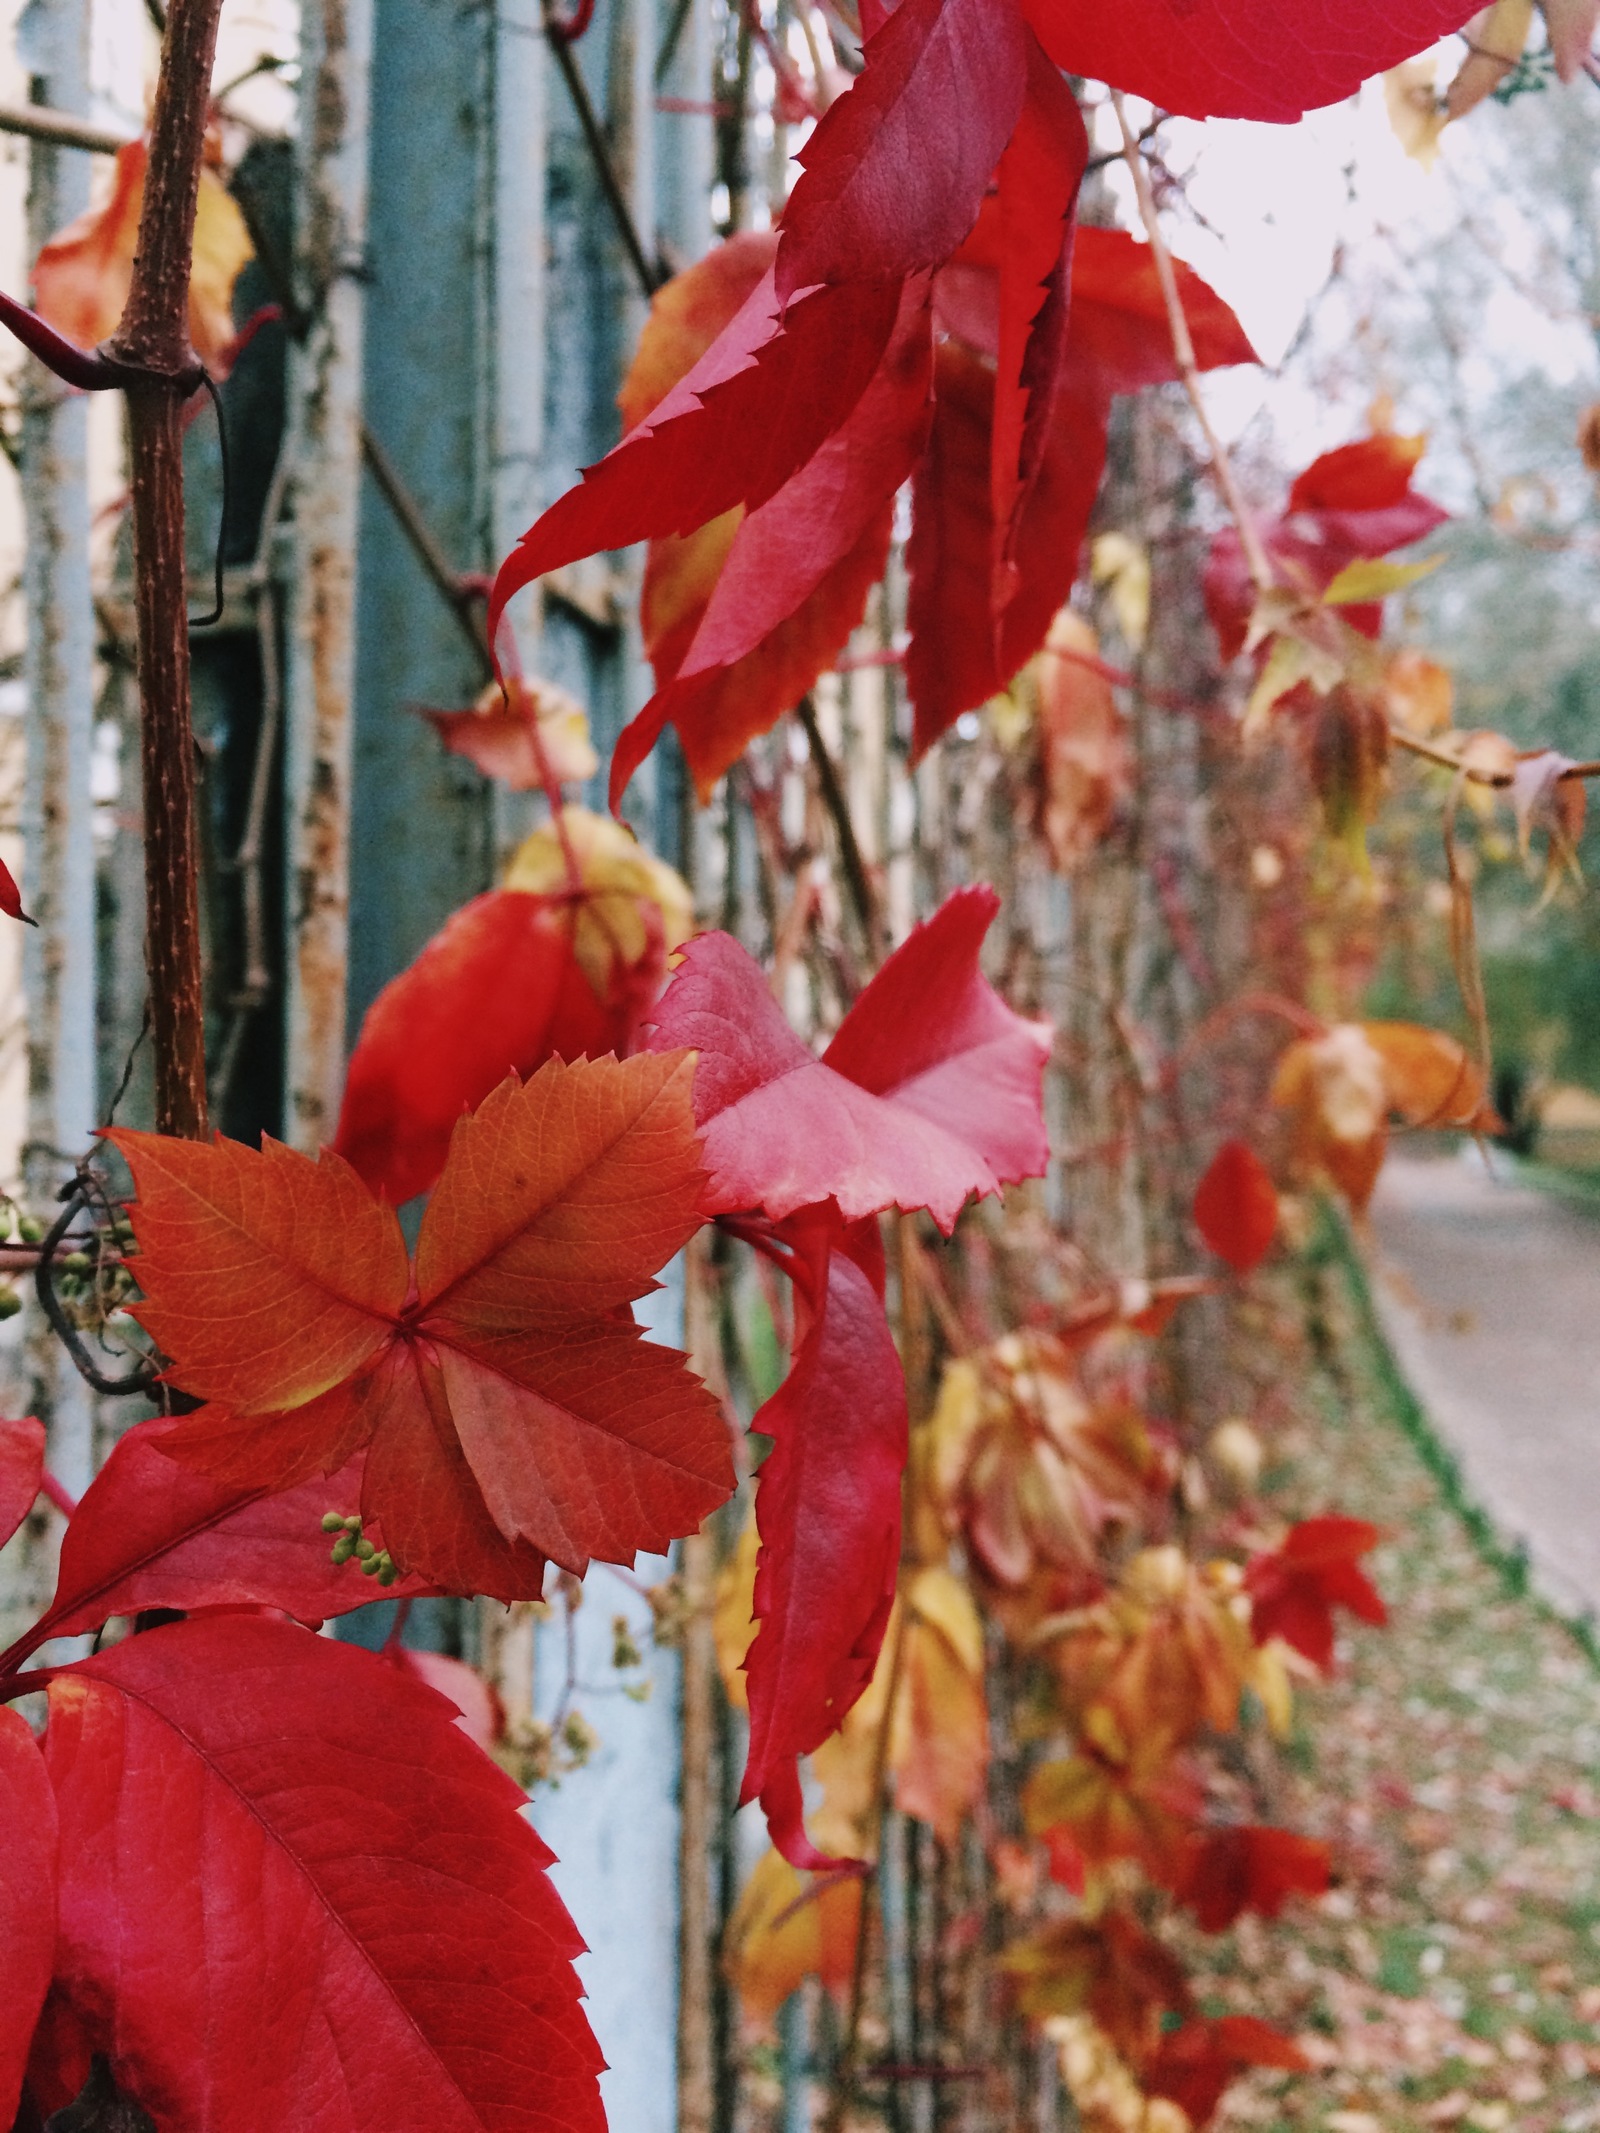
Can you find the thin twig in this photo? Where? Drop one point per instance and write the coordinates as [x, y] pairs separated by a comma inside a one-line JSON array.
[[140, 1380], [1255, 553], [650, 276], [1474, 773], [37, 122], [460, 594], [831, 787]]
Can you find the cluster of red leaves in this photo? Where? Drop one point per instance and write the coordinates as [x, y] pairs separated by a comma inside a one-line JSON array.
[[928, 1093], [1350, 505], [921, 314]]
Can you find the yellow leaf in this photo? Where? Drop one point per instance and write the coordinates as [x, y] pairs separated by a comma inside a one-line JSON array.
[[733, 1626], [631, 897], [1123, 567], [1374, 578], [787, 1927], [1411, 98], [1419, 692]]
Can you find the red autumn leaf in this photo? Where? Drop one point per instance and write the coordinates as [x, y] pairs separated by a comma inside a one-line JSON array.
[[11, 897], [796, 575], [293, 1894], [1239, 58], [762, 399], [828, 1513], [720, 710], [1036, 197], [510, 1408], [1249, 1868], [1236, 1207], [21, 1471], [1294, 1589], [1195, 2062], [1351, 504], [151, 1533], [929, 1092], [896, 169], [479, 1712], [497, 991], [1117, 340], [27, 1900]]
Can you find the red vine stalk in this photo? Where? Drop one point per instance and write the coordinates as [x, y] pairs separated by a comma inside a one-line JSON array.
[[159, 371]]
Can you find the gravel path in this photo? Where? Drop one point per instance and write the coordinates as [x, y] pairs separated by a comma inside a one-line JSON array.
[[1490, 1295]]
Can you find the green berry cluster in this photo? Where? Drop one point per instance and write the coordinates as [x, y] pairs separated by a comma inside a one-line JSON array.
[[352, 1543]]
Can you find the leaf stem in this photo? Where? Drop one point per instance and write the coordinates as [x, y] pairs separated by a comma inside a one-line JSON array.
[[1255, 552]]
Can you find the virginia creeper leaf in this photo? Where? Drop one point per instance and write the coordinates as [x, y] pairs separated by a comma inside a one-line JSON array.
[[497, 991], [797, 572], [1353, 503], [786, 1929], [1194, 2063], [828, 1513], [755, 407], [1260, 59], [1248, 1868], [27, 1899], [21, 1471], [1035, 203], [82, 276], [1236, 1207], [896, 169], [1295, 1588], [928, 1093], [11, 896], [152, 1533], [295, 1895], [504, 732], [511, 1409]]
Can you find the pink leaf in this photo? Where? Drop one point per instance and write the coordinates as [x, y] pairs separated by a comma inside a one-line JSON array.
[[294, 1895], [930, 1091]]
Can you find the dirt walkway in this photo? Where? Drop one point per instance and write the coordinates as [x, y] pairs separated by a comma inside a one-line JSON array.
[[1490, 1294]]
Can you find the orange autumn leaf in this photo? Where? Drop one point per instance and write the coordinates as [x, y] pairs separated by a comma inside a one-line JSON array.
[[1134, 1803], [1432, 1080], [498, 734], [1111, 1968], [939, 1735], [1085, 762], [82, 275], [510, 1408], [1033, 1473], [1164, 1654], [1340, 1089], [789, 1926]]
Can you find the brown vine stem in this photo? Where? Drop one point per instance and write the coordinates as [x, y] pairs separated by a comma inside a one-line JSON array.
[[1255, 552], [1476, 774], [159, 370]]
